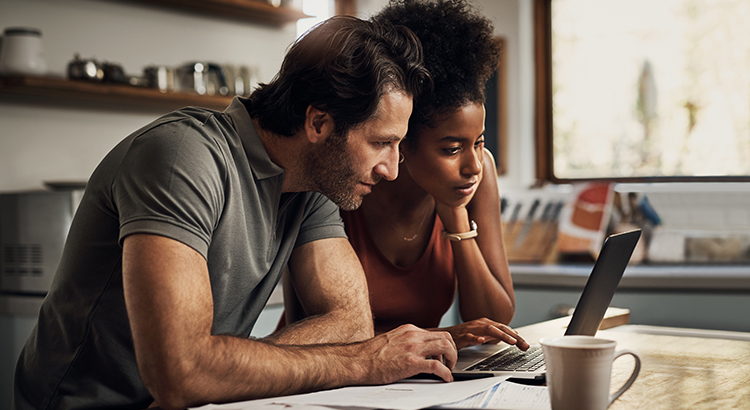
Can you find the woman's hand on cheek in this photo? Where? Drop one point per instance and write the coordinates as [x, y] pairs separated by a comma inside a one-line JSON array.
[[455, 219], [456, 213]]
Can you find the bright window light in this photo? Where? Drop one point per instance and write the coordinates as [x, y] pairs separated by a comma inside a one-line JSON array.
[[320, 9], [646, 88]]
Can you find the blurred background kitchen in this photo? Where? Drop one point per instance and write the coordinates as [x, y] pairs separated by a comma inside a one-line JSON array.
[[89, 72]]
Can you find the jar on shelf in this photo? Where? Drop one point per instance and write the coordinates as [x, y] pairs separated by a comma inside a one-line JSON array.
[[22, 52]]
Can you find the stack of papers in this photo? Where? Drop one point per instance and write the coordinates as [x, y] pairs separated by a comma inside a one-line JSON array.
[[506, 396], [488, 393]]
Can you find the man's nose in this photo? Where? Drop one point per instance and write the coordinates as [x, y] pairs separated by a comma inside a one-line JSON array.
[[388, 167]]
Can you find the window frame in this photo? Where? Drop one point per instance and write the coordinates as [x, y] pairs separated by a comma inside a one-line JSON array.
[[496, 105], [544, 155]]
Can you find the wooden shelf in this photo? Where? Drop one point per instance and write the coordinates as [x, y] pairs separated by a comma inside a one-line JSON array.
[[57, 90], [257, 11], [102, 93]]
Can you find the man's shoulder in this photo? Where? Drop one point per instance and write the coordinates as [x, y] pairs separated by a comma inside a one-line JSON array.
[[190, 127], [190, 117], [314, 199], [317, 209]]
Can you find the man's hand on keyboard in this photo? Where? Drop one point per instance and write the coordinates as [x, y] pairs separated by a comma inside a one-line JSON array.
[[406, 351], [484, 330]]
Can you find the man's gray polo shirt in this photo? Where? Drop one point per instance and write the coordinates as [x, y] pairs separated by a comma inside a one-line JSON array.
[[200, 177]]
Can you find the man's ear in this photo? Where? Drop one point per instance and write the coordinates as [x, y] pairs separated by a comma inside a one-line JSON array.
[[318, 125]]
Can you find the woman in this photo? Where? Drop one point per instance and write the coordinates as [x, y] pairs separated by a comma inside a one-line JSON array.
[[436, 228]]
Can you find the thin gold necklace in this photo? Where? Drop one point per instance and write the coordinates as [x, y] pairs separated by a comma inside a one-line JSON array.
[[424, 218]]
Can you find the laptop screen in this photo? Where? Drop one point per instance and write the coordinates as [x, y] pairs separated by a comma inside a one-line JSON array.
[[602, 283]]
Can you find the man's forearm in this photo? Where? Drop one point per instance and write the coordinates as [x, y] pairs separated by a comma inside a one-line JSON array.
[[332, 327], [326, 286], [228, 368]]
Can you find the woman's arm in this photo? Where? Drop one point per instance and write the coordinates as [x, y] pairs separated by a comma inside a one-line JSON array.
[[485, 288]]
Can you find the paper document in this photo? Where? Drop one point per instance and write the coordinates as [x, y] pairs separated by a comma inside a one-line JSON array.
[[506, 396], [263, 404], [404, 395]]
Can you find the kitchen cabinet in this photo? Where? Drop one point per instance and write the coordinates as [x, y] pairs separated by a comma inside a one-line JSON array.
[[694, 296]]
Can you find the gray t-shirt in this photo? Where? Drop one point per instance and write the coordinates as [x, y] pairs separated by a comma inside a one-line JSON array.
[[200, 177]]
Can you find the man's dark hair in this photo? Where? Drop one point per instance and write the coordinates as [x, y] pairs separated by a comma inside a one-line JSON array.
[[342, 66], [459, 52]]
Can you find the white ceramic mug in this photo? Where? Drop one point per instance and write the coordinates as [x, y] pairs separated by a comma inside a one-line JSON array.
[[579, 369]]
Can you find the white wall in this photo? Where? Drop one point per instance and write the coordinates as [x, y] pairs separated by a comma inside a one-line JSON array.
[[51, 142], [513, 22]]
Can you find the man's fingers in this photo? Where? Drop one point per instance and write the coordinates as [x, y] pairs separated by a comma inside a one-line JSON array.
[[427, 351], [439, 369], [444, 346]]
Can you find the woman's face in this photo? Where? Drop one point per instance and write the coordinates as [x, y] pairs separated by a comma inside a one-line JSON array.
[[447, 162]]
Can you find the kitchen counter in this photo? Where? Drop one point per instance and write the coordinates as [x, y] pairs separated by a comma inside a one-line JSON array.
[[663, 277], [28, 305], [13, 304], [652, 277]]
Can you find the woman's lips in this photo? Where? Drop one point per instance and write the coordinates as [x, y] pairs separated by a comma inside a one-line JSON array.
[[467, 189]]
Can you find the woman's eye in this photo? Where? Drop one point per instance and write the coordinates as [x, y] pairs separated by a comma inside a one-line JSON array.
[[452, 150], [479, 144]]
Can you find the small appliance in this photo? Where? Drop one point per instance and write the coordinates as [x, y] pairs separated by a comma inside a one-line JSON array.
[[33, 229]]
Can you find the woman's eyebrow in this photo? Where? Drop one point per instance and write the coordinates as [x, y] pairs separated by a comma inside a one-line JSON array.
[[452, 138]]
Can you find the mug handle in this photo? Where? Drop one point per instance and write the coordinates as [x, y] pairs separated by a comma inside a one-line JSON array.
[[630, 381]]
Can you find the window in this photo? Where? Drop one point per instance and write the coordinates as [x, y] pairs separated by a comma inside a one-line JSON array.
[[643, 89], [323, 9], [319, 9]]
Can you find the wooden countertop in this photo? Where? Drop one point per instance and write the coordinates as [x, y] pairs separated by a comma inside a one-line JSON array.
[[677, 372]]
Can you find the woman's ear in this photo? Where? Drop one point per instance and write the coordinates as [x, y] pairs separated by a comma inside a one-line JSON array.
[[318, 125]]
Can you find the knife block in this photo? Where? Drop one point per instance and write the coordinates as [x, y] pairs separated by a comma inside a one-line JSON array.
[[537, 245]]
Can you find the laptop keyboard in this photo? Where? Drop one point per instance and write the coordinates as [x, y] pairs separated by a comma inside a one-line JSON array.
[[513, 360]]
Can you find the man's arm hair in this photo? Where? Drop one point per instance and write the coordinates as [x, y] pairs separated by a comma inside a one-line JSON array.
[[326, 280], [170, 309]]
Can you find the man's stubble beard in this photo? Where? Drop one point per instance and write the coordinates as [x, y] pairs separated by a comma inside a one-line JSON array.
[[331, 171]]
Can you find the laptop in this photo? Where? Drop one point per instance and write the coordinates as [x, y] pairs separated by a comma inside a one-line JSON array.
[[505, 360]]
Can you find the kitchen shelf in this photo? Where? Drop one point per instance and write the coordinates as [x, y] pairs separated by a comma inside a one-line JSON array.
[[63, 90], [258, 11]]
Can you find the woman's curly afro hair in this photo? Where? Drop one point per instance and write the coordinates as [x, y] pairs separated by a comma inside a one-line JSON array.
[[459, 51]]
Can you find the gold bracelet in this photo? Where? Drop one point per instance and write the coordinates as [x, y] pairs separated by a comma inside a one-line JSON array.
[[458, 237]]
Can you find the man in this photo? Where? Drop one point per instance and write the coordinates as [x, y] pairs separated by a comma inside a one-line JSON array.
[[186, 225]]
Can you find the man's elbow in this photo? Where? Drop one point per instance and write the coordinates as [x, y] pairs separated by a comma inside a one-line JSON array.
[[361, 325], [363, 333], [172, 387]]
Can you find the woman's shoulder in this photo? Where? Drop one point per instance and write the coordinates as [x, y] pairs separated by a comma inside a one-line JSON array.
[[488, 163], [489, 176]]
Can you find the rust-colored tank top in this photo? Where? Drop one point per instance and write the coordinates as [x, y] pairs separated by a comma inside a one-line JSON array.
[[419, 294]]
